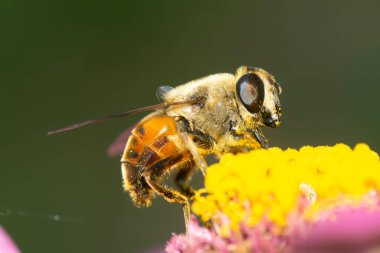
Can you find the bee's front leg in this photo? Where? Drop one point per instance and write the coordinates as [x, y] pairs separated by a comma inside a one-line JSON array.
[[259, 135]]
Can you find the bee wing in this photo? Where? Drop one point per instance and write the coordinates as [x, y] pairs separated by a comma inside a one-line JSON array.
[[161, 106], [117, 146]]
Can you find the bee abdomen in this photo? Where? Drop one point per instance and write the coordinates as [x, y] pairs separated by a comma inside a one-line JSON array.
[[152, 142], [136, 185]]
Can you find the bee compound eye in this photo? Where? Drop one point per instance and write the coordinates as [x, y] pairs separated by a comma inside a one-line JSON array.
[[250, 90]]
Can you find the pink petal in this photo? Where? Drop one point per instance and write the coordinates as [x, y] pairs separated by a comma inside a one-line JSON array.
[[6, 243], [352, 231]]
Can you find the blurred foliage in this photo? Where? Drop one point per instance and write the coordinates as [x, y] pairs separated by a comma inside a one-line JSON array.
[[63, 62]]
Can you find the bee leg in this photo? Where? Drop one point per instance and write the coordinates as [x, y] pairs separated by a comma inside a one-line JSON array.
[[259, 135], [183, 177], [189, 143], [151, 176]]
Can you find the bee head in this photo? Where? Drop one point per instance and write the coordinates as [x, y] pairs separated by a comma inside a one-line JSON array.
[[258, 92]]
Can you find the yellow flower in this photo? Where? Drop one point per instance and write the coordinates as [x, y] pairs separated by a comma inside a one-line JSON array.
[[271, 184]]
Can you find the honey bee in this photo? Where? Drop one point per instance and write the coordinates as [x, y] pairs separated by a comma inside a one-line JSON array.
[[216, 114]]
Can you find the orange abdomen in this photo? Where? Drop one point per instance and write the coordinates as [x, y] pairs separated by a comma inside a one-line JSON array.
[[153, 145]]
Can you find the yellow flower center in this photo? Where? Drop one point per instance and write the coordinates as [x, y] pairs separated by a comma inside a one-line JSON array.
[[268, 184]]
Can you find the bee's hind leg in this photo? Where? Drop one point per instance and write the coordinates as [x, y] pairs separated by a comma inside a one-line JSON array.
[[183, 177], [153, 174]]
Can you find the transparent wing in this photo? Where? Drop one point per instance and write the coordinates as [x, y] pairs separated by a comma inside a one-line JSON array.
[[162, 106], [117, 146]]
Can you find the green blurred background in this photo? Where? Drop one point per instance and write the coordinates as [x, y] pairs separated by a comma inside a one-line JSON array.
[[63, 62]]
